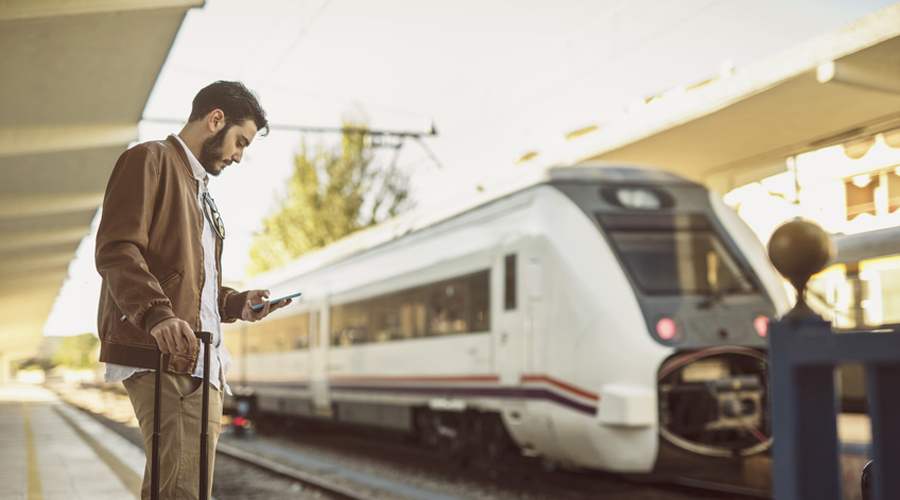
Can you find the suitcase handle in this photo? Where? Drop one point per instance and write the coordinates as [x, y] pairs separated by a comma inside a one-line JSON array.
[[206, 338]]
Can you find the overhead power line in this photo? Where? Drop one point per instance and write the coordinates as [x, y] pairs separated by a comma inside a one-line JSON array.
[[380, 138]]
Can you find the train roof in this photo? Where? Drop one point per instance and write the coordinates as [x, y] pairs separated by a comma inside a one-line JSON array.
[[614, 174], [416, 220]]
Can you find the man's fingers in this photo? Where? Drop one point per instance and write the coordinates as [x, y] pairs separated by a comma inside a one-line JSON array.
[[182, 341], [159, 334], [176, 341], [251, 315], [175, 337], [165, 344], [187, 336], [174, 348], [264, 311]]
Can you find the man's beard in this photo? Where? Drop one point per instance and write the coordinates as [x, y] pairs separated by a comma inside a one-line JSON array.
[[211, 152]]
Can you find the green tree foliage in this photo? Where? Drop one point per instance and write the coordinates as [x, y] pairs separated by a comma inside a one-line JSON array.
[[332, 193], [35, 364], [77, 351]]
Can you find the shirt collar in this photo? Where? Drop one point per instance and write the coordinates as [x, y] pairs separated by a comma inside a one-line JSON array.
[[197, 169]]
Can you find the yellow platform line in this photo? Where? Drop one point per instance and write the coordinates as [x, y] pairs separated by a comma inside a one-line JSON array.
[[34, 474]]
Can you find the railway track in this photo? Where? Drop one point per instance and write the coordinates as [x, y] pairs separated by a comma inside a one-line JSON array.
[[315, 462], [400, 462]]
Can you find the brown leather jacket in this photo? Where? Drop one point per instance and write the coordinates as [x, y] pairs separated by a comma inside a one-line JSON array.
[[150, 256]]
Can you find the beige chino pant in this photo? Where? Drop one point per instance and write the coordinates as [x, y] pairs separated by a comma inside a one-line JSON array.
[[179, 442]]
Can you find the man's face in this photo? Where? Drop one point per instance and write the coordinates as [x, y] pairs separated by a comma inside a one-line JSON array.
[[226, 146]]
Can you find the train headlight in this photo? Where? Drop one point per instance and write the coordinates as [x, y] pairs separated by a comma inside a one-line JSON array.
[[637, 198], [668, 330], [640, 199], [761, 325]]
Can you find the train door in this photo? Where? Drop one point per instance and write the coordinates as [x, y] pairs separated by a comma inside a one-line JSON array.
[[534, 319], [318, 376], [520, 313], [509, 339]]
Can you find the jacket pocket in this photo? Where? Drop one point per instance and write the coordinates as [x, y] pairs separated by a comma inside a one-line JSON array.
[[169, 280]]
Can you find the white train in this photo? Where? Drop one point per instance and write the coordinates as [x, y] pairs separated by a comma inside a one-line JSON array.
[[577, 318]]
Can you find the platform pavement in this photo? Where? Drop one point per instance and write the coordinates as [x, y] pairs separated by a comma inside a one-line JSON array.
[[50, 450], [54, 452]]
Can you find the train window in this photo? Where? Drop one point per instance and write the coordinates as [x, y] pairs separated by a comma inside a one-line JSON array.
[[397, 316], [447, 307], [459, 305], [480, 288], [349, 323], [510, 280], [385, 318], [278, 334], [674, 254], [414, 314]]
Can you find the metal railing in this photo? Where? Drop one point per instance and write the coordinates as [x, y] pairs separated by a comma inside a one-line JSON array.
[[804, 353]]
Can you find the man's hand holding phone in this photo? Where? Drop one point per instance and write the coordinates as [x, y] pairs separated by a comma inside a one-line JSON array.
[[263, 306]]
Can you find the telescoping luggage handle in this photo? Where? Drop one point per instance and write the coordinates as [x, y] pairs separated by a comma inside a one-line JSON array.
[[206, 338]]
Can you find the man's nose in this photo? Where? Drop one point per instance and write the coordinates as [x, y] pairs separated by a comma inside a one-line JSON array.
[[237, 157]]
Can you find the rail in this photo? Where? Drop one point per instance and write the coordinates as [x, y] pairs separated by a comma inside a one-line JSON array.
[[804, 353]]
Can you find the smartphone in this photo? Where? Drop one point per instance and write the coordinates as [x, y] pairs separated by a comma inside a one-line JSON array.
[[259, 306]]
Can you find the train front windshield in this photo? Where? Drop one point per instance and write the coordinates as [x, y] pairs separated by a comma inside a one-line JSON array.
[[674, 254]]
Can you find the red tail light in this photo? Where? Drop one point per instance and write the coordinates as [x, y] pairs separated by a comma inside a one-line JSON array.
[[761, 324], [667, 330]]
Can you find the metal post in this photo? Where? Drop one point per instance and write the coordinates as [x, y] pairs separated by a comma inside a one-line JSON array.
[[206, 339], [154, 464], [783, 392], [804, 422], [884, 382], [818, 463]]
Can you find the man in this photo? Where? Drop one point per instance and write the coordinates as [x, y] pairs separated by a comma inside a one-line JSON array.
[[159, 248]]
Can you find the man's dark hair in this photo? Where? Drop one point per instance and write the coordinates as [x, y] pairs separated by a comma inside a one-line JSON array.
[[235, 100]]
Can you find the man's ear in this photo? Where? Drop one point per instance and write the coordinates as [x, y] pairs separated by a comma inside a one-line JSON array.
[[215, 120]]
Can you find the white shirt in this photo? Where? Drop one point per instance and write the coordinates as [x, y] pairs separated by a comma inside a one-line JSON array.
[[210, 320]]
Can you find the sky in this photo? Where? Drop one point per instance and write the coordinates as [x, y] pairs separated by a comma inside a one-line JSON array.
[[497, 78]]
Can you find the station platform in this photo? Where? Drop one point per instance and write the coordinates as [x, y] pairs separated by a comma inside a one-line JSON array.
[[52, 451]]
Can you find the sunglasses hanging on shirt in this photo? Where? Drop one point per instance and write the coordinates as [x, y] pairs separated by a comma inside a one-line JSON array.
[[212, 213]]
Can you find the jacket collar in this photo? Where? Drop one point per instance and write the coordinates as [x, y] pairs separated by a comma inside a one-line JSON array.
[[173, 142], [196, 168]]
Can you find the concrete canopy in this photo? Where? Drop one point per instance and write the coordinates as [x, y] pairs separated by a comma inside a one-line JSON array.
[[738, 129], [76, 75]]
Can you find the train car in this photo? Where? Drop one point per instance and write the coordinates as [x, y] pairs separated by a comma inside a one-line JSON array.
[[584, 318], [860, 290]]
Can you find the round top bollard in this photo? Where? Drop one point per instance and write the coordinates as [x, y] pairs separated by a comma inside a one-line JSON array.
[[798, 249]]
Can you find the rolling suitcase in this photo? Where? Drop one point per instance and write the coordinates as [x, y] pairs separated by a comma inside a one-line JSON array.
[[206, 338]]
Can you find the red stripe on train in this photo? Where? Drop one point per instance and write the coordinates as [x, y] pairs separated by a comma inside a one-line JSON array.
[[562, 385]]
